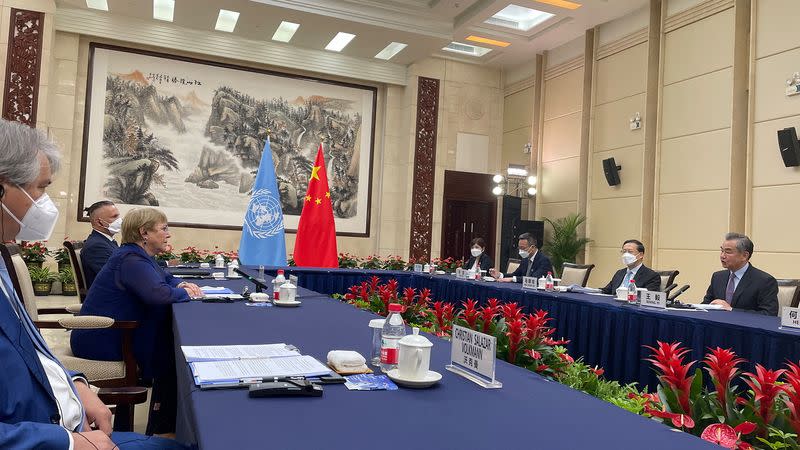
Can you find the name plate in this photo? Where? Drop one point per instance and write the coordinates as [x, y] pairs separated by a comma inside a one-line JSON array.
[[790, 318], [461, 274], [417, 267], [654, 299], [472, 355], [529, 283], [293, 280]]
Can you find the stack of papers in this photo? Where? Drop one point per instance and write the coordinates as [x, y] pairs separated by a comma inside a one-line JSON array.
[[215, 290], [236, 365]]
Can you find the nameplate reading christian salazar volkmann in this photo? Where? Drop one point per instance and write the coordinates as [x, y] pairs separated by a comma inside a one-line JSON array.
[[472, 356], [790, 319]]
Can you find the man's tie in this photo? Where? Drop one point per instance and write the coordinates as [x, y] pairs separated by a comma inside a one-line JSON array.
[[730, 289], [528, 271], [627, 281]]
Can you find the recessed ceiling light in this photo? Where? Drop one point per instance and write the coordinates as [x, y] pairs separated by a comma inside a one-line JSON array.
[[339, 41], [518, 17], [466, 49], [285, 31], [226, 20], [561, 3], [391, 50], [97, 4], [163, 10], [484, 40]]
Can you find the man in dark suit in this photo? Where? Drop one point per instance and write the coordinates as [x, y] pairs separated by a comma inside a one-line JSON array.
[[98, 247], [42, 405], [478, 257], [741, 286], [534, 263], [643, 276]]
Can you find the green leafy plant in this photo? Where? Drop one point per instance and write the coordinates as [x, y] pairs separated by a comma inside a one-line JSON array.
[[565, 244], [65, 276], [62, 257], [41, 275]]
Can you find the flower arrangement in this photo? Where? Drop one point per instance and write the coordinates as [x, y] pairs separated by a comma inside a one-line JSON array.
[[448, 264], [348, 261], [372, 262], [376, 297], [168, 254], [33, 253], [62, 257], [394, 263], [193, 255]]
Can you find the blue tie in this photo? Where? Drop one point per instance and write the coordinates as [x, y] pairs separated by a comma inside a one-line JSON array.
[[627, 281], [33, 333]]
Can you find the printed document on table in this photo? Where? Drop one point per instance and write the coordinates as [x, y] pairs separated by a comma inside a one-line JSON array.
[[235, 370], [233, 352]]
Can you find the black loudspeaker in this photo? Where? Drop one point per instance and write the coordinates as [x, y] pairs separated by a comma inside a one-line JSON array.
[[789, 147], [611, 171]]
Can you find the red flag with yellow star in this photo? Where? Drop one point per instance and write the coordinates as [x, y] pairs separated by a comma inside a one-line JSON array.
[[315, 245]]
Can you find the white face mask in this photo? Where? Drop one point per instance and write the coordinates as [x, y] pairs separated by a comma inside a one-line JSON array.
[[524, 254], [115, 226], [628, 258], [476, 252], [39, 220]]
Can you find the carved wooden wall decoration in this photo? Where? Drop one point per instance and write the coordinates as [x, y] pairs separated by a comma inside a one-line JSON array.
[[23, 64], [424, 167]]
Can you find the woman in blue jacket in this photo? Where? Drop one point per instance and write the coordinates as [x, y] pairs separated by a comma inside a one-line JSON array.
[[132, 286]]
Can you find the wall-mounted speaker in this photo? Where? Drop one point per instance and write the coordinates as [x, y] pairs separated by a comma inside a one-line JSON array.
[[611, 171], [789, 147]]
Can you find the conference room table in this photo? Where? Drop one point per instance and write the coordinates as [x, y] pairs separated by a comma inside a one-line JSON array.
[[528, 411], [601, 330]]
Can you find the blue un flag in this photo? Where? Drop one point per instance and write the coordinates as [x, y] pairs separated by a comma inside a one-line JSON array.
[[262, 231]]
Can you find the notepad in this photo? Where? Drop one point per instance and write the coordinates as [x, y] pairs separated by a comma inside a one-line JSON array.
[[236, 352], [233, 371], [215, 290]]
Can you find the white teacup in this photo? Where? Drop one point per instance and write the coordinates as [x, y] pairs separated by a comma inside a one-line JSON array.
[[205, 265], [259, 297], [414, 357]]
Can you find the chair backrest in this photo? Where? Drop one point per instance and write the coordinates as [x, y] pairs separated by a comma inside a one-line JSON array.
[[74, 249], [512, 265], [20, 278], [575, 274], [667, 278], [788, 293]]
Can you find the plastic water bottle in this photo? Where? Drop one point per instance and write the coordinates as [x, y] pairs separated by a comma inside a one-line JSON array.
[[633, 294], [393, 330], [549, 285], [276, 285], [219, 261]]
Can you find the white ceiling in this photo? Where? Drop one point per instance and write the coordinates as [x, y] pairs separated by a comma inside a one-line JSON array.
[[425, 25]]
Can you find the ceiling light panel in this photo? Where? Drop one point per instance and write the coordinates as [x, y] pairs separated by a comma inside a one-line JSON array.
[[561, 3], [391, 50], [285, 31], [466, 49], [339, 42], [226, 20], [97, 4], [518, 17], [484, 40], [164, 10]]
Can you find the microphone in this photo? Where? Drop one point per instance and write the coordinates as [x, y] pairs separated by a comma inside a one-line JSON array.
[[679, 292], [259, 285]]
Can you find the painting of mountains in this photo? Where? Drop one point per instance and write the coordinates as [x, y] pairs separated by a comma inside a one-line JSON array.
[[186, 136]]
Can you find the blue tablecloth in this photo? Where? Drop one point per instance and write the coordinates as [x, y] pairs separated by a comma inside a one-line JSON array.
[[604, 332], [528, 412]]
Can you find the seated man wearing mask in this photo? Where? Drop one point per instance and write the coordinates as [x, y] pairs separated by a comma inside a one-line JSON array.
[[741, 286], [534, 263], [643, 276], [98, 247], [479, 259], [42, 405]]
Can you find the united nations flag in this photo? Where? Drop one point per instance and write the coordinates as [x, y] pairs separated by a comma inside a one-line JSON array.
[[262, 232]]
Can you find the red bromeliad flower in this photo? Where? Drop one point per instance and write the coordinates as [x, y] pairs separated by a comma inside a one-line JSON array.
[[386, 295], [793, 395], [668, 358], [487, 315], [408, 296], [537, 325], [728, 437], [722, 367], [493, 304], [470, 312], [765, 387], [515, 333], [424, 297], [373, 283], [443, 312], [511, 312], [391, 285]]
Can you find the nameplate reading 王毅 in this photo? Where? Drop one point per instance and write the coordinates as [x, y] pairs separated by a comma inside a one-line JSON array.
[[653, 299]]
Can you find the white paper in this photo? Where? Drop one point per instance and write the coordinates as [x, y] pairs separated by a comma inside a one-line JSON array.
[[234, 352], [236, 370], [706, 306]]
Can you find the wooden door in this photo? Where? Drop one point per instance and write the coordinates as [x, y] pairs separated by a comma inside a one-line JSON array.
[[464, 221]]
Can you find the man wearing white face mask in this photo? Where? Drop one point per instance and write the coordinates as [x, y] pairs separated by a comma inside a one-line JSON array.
[[42, 405], [534, 263], [643, 276], [100, 245]]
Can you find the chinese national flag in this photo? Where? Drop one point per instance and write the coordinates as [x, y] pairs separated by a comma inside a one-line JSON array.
[[315, 245]]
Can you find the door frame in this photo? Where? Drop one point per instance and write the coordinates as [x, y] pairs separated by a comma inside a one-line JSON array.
[[469, 187]]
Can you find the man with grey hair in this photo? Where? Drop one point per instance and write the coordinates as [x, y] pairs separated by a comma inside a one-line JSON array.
[[741, 286], [42, 405]]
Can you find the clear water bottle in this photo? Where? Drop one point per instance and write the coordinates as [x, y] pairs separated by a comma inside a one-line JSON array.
[[549, 285], [633, 294], [393, 330], [276, 285]]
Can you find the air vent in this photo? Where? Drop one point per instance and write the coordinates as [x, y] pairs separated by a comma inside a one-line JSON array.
[[466, 49]]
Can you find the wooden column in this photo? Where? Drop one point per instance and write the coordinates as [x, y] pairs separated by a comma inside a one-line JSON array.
[[651, 126], [23, 65], [424, 167]]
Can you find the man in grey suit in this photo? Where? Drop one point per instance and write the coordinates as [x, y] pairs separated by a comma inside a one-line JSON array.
[[741, 286]]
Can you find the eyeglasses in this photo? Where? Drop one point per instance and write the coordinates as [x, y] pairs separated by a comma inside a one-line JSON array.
[[632, 252]]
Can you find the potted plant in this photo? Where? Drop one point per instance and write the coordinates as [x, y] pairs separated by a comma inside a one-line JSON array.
[[42, 279], [62, 258], [33, 253], [565, 244], [67, 279]]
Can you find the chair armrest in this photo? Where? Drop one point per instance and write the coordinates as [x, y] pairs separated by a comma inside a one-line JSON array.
[[73, 309], [85, 322], [132, 395]]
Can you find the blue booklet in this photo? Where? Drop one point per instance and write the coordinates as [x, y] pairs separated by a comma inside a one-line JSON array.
[[369, 382]]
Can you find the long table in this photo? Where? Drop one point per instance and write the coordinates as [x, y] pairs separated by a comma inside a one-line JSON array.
[[529, 411], [604, 332]]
